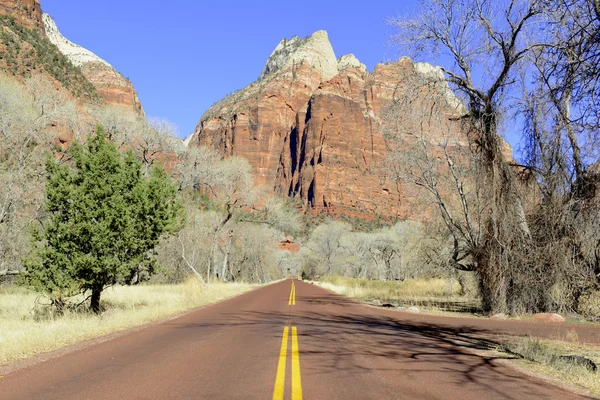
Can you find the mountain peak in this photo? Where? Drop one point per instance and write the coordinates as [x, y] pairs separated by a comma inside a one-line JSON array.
[[76, 54], [113, 87], [350, 61], [315, 50]]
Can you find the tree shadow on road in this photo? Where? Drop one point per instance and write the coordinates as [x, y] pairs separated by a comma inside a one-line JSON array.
[[340, 340]]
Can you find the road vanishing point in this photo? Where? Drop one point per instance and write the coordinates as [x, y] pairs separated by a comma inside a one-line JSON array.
[[291, 340]]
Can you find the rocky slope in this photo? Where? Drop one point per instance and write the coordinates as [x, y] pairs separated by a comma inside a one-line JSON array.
[[30, 43], [310, 128], [27, 13], [113, 87]]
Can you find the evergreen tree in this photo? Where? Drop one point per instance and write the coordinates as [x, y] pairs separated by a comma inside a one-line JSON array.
[[104, 218]]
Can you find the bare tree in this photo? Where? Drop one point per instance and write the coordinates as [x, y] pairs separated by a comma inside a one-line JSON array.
[[155, 138], [566, 72], [31, 113], [120, 126], [561, 114], [488, 39], [326, 244], [150, 139], [522, 228], [429, 149], [196, 168]]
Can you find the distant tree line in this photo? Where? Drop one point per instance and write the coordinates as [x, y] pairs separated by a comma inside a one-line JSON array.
[[108, 205]]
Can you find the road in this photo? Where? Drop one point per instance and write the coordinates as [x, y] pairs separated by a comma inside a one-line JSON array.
[[279, 342]]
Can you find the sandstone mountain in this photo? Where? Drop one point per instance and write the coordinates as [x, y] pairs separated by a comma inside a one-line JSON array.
[[310, 127], [113, 87], [30, 43]]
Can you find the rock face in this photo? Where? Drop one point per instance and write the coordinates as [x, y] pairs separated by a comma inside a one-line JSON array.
[[25, 12], [310, 128], [350, 61], [113, 87], [289, 245], [109, 84], [315, 50]]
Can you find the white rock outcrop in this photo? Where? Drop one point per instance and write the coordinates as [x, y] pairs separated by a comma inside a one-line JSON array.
[[348, 61], [436, 75], [76, 54], [187, 140], [314, 50]]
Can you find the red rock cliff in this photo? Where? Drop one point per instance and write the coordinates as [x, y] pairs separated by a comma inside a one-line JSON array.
[[26, 12], [113, 87], [309, 127]]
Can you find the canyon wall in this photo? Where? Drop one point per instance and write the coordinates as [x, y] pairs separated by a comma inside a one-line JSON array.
[[310, 127]]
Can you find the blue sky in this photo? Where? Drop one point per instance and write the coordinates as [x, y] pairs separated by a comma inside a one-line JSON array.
[[184, 55]]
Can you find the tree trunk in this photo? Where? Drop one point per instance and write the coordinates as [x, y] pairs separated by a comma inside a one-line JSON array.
[[506, 222], [59, 304], [388, 269], [95, 300], [226, 258], [210, 260]]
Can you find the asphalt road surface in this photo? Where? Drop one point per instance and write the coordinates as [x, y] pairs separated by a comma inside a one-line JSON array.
[[292, 341]]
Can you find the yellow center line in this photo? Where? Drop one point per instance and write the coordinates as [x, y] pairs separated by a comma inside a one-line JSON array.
[[279, 390], [294, 296], [296, 381], [280, 379], [292, 299]]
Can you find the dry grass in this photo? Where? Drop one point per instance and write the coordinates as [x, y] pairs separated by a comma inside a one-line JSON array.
[[589, 306], [24, 333], [433, 294], [542, 357]]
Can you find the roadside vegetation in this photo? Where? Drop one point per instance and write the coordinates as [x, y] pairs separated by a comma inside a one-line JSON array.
[[430, 294], [396, 290], [202, 215], [528, 230], [565, 361], [30, 326], [108, 221]]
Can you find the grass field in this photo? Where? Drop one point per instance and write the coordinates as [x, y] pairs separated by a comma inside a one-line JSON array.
[[542, 357], [435, 294], [25, 332]]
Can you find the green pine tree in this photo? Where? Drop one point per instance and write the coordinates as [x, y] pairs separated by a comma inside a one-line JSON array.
[[104, 218]]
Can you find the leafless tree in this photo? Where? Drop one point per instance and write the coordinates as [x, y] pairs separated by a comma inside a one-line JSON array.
[[149, 139], [498, 226], [325, 243], [429, 149], [489, 39], [31, 113], [560, 109]]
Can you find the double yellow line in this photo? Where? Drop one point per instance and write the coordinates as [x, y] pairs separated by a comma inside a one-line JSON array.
[[279, 390], [292, 300], [280, 379]]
